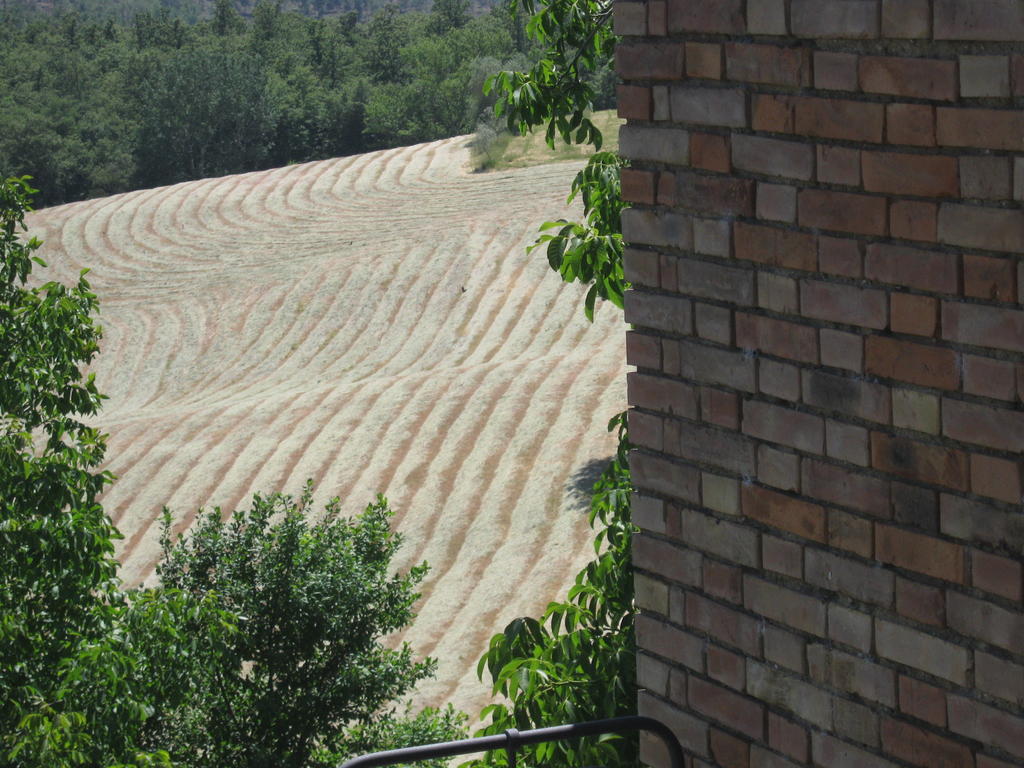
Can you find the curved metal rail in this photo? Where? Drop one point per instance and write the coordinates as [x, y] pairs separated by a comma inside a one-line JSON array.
[[511, 740]]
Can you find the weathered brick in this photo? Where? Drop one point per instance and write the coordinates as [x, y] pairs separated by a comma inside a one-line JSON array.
[[775, 247], [850, 627], [996, 478], [703, 60], [777, 337], [912, 409], [712, 237], [911, 124], [773, 113], [846, 487], [657, 18], [725, 706], [772, 157], [729, 751], [788, 737], [914, 363], [646, 430], [916, 461], [648, 513], [777, 293], [919, 552], [869, 584], [785, 648], [641, 267], [642, 350], [835, 18], [652, 674], [838, 119], [920, 602], [923, 701], [777, 424], [710, 152], [723, 581], [714, 194], [781, 556], [852, 674], [984, 177], [994, 229], [840, 303], [915, 506], [800, 611], [978, 521], [838, 165], [691, 731], [998, 575], [912, 267], [778, 379], [986, 621], [710, 365], [630, 19], [720, 408], [663, 145], [989, 378], [980, 128], [658, 393], [663, 313], [922, 748], [850, 532], [913, 314], [997, 327], [650, 594], [721, 448], [634, 102], [790, 693], [771, 64], [986, 277], [724, 624], [840, 349], [921, 651], [731, 542], [979, 20], [842, 211], [897, 173], [933, 79], [670, 561], [646, 61], [998, 677], [855, 721], [835, 71], [644, 226], [784, 512], [996, 428], [670, 642], [713, 323], [850, 396], [660, 475], [914, 220], [638, 186], [906, 18], [766, 17], [724, 16], [986, 724], [778, 468], [691, 103]]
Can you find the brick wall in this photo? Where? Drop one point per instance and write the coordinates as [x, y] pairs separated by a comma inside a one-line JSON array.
[[826, 247]]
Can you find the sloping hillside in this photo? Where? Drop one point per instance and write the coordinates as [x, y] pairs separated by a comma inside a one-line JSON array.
[[372, 323]]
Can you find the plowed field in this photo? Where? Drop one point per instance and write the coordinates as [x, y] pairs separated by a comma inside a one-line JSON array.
[[373, 323]]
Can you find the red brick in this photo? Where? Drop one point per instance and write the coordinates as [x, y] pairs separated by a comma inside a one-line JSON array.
[[838, 165], [721, 704], [669, 561], [638, 186], [641, 267], [728, 751], [910, 313], [794, 609], [986, 724], [906, 18], [996, 478], [726, 667], [922, 651], [653, 473], [773, 157], [773, 113], [710, 152], [841, 303], [912, 124], [666, 193], [724, 16], [997, 327], [724, 624], [691, 731], [776, 202], [662, 394], [670, 642], [913, 363], [919, 552], [994, 229], [835, 18], [842, 211], [997, 428], [840, 256], [646, 61], [714, 194], [979, 20], [787, 737], [642, 350], [723, 581], [896, 173], [784, 512], [768, 64], [998, 575], [845, 487], [923, 748], [657, 18], [634, 102], [990, 278], [835, 71], [703, 60], [912, 267], [630, 19], [646, 430], [721, 408], [989, 378], [914, 220], [692, 103], [923, 701], [985, 128], [917, 78], [916, 461], [781, 556], [985, 761], [777, 337], [839, 119]]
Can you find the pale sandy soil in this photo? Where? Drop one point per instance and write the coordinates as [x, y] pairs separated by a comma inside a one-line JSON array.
[[373, 323]]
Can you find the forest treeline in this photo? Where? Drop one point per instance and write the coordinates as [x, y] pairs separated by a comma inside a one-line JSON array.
[[91, 107]]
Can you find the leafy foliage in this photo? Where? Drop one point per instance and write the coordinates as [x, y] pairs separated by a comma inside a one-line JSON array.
[[577, 662]]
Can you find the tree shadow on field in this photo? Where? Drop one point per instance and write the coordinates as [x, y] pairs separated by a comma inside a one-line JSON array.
[[581, 483]]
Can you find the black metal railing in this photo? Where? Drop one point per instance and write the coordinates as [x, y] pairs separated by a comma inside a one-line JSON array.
[[511, 740]]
